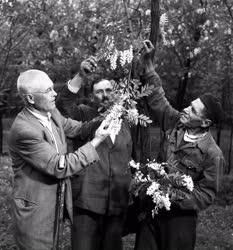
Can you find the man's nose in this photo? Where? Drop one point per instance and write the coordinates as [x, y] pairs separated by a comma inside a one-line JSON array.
[[186, 110], [54, 93]]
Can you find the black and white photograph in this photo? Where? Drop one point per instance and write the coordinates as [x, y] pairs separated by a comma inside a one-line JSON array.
[[116, 124]]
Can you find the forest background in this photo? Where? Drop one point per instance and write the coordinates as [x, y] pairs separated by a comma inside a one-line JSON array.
[[194, 52]]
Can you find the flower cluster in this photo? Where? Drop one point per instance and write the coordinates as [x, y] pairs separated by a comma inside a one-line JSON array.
[[154, 180], [124, 107], [125, 56], [123, 101]]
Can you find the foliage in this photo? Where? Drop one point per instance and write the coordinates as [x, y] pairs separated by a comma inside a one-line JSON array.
[[194, 43], [162, 183], [6, 181], [56, 35], [123, 101]]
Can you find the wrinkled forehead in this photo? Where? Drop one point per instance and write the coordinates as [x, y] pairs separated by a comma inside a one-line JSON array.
[[103, 84]]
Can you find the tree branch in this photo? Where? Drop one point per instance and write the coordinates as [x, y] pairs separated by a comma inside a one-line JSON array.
[[128, 17], [228, 8]]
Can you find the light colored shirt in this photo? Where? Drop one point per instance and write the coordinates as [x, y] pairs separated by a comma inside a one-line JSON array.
[[193, 138], [72, 88]]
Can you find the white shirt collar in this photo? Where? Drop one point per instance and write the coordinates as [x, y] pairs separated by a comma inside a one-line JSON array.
[[193, 138], [46, 122], [41, 118]]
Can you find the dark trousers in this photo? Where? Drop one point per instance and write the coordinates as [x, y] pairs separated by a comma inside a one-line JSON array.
[[169, 231], [93, 231]]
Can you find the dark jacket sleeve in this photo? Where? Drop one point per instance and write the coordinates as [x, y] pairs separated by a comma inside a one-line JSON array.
[[158, 103], [80, 130], [206, 189], [66, 103]]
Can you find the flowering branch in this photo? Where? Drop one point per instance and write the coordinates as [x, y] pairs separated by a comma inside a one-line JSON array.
[[153, 180]]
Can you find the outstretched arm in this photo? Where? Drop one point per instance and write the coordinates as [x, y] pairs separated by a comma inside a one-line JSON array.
[[29, 145], [158, 103]]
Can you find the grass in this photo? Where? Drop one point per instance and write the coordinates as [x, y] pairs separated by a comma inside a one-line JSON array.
[[214, 232]]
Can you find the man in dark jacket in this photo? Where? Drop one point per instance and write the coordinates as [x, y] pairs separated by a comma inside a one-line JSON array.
[[189, 145], [100, 197]]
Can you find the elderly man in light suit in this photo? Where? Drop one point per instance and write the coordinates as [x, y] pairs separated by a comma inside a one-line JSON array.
[[39, 154]]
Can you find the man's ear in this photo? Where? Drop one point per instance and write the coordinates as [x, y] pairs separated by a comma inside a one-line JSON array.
[[206, 123], [30, 99]]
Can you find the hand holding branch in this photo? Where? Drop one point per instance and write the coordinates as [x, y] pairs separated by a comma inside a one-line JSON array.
[[88, 66], [148, 49], [105, 129]]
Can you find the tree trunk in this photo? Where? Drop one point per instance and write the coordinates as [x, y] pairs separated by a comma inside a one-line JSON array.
[[1, 134], [155, 15], [183, 86], [142, 136], [145, 133], [230, 168]]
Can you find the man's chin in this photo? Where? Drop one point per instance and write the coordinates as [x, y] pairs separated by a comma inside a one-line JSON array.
[[185, 122]]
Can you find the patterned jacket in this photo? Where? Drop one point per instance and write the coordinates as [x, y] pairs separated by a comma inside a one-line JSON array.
[[37, 170]]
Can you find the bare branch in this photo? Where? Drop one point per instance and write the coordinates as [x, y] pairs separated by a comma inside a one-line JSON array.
[[112, 11], [228, 8], [128, 17]]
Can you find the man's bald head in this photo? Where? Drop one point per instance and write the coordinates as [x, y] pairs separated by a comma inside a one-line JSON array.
[[31, 81]]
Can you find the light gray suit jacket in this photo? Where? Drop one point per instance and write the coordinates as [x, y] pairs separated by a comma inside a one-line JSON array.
[[37, 170]]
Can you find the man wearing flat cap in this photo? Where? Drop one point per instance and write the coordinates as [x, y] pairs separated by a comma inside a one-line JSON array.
[[189, 146]]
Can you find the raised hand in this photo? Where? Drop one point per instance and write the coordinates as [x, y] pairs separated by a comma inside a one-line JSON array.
[[101, 133], [88, 66], [147, 53], [148, 47]]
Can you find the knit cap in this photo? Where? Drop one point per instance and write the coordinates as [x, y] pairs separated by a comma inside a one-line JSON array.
[[213, 107]]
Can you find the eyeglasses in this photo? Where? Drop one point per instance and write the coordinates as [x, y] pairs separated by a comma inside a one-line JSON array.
[[47, 91]]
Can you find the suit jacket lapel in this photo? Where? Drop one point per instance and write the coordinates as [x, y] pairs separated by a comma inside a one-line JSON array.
[[38, 125], [58, 126]]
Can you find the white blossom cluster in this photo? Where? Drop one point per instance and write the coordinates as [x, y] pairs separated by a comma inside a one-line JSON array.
[[162, 22], [140, 177], [187, 182], [152, 188], [119, 111], [133, 164], [115, 112], [157, 167], [125, 56], [114, 117], [132, 115], [162, 187], [160, 200]]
